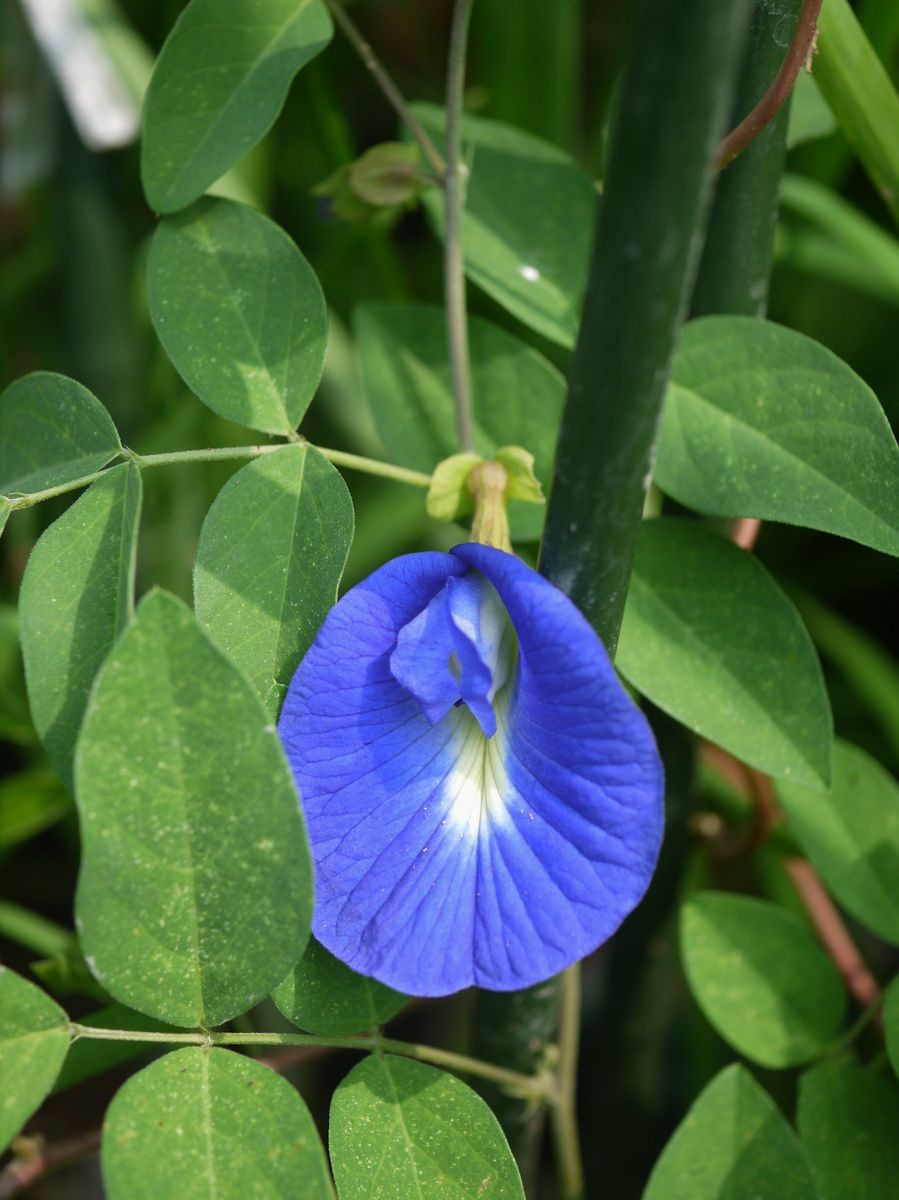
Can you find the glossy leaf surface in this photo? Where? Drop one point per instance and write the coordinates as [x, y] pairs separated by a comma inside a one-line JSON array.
[[733, 1143], [271, 553], [760, 977], [34, 1038], [240, 313], [205, 1124], [194, 899], [401, 1129], [761, 421], [709, 637], [516, 246], [847, 1119], [52, 431], [77, 596], [517, 395], [851, 834], [322, 995], [219, 83]]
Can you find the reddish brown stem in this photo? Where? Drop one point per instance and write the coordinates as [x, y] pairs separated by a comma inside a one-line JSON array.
[[832, 931], [33, 1160], [744, 532], [778, 93]]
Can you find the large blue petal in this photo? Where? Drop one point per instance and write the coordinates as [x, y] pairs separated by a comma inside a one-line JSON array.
[[445, 858]]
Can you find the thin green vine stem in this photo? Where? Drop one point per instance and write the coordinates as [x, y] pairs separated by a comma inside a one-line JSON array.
[[393, 94], [526, 1085], [372, 466], [453, 205], [340, 458], [563, 1112]]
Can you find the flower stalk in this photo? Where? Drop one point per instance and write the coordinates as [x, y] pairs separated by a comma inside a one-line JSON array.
[[488, 483]]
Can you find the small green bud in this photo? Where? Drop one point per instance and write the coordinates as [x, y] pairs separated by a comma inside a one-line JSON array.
[[387, 175]]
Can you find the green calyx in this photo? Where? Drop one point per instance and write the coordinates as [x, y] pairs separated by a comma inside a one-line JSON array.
[[465, 485]]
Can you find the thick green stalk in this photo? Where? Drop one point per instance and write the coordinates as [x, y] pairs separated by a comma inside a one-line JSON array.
[[736, 261], [676, 95]]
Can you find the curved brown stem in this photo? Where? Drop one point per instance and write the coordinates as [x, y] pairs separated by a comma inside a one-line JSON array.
[[778, 93], [831, 930], [33, 1160]]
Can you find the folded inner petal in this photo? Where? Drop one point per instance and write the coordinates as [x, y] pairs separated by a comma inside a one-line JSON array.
[[457, 649]]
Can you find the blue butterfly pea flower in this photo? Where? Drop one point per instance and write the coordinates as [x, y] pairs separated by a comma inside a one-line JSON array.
[[484, 800]]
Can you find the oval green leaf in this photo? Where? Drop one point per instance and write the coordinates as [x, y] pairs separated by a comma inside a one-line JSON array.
[[762, 421], [760, 977], [848, 1118], [733, 1143], [34, 1038], [516, 246], [271, 553], [211, 1125], [517, 395], [220, 81], [709, 637], [322, 995], [77, 596], [52, 431], [239, 312], [195, 894], [401, 1129], [851, 834]]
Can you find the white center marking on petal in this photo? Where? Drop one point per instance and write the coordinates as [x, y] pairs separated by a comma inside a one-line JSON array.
[[531, 274], [478, 787]]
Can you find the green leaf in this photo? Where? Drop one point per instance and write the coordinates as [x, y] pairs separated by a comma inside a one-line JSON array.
[[271, 553], [518, 247], [866, 667], [202, 1124], [195, 893], [220, 81], [322, 995], [77, 595], [52, 431], [517, 396], [848, 1118], [401, 1129], [733, 1144], [30, 802], [851, 834], [760, 977], [709, 637], [858, 88], [34, 1038], [761, 421], [891, 1022], [5, 510], [239, 312]]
